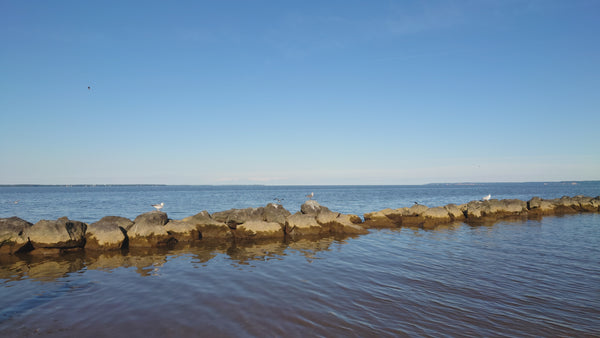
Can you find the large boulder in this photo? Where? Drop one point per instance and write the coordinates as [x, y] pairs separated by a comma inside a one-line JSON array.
[[208, 227], [585, 203], [435, 216], [312, 207], [59, 234], [235, 217], [275, 213], [148, 230], [454, 212], [109, 233], [332, 222], [382, 219], [301, 224], [12, 234], [270, 213], [540, 207], [483, 211], [343, 224], [259, 230]]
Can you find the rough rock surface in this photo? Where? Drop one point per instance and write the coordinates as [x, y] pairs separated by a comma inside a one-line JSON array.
[[109, 233], [259, 229], [301, 224], [59, 234], [12, 234], [154, 228], [235, 217], [208, 227], [381, 219], [148, 230]]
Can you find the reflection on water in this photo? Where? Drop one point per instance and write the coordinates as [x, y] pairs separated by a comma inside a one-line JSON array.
[[148, 261], [514, 278]]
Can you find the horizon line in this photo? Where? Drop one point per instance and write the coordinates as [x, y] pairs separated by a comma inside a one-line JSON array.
[[275, 185]]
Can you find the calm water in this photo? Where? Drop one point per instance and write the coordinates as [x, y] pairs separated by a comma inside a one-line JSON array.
[[518, 278]]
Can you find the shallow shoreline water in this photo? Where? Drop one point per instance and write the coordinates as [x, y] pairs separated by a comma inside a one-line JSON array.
[[513, 278]]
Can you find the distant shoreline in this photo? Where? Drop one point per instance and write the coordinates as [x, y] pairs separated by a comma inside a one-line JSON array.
[[292, 185]]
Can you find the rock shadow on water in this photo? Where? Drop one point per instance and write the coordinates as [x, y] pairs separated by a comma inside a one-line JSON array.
[[147, 261]]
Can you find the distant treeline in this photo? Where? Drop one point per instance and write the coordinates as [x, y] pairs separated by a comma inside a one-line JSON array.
[[82, 185]]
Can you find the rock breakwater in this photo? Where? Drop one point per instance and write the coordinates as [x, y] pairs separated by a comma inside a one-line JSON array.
[[155, 229]]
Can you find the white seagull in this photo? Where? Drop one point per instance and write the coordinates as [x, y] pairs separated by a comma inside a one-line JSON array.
[[310, 196], [159, 206], [487, 198]]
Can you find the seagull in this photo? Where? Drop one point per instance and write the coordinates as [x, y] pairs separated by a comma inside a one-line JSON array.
[[158, 206], [487, 198], [310, 196], [278, 200]]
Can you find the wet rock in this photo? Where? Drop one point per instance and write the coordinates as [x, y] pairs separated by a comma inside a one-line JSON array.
[[540, 207], [483, 211], [109, 233], [312, 207], [435, 216], [208, 227], [415, 210], [454, 212], [381, 219], [343, 224], [259, 230], [301, 224], [275, 213], [60, 234], [148, 230], [585, 204], [235, 217], [332, 222], [183, 231], [12, 234]]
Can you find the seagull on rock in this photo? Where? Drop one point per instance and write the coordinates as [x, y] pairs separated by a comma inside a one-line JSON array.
[[310, 196], [487, 198], [159, 206]]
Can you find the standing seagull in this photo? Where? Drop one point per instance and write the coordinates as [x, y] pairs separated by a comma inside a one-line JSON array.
[[487, 198], [310, 196], [158, 206]]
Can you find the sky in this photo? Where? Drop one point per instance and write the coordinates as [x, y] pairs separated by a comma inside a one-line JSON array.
[[299, 92]]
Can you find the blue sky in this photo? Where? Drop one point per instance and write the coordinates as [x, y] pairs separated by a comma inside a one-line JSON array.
[[299, 92]]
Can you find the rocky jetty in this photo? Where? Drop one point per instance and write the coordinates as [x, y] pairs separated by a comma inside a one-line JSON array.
[[271, 222], [477, 212]]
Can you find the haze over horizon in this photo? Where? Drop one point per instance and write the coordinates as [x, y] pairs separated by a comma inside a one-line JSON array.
[[299, 93]]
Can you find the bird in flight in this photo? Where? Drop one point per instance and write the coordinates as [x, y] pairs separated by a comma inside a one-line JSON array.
[[159, 206]]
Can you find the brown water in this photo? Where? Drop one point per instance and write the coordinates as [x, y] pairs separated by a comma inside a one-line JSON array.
[[524, 278]]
